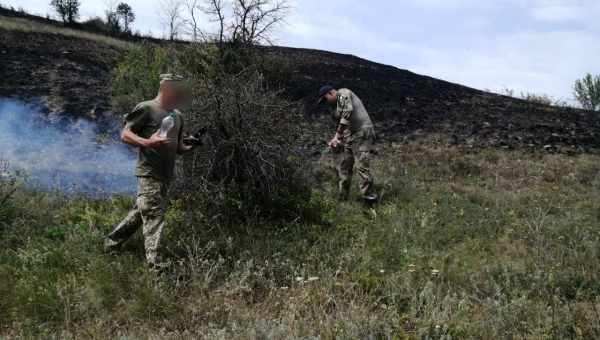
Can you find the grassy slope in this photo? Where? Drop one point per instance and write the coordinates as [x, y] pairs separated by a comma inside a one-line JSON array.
[[493, 245], [26, 25]]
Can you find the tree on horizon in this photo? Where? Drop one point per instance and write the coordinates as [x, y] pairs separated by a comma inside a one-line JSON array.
[[67, 9], [125, 13]]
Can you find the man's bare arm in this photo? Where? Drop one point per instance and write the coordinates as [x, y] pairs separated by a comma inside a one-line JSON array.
[[128, 137]]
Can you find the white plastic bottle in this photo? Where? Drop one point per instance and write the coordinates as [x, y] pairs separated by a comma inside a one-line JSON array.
[[167, 124]]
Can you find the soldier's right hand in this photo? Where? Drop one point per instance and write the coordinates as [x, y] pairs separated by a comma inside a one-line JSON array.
[[334, 143], [156, 141]]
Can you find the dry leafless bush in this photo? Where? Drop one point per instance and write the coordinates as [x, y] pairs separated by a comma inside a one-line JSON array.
[[246, 22], [249, 166]]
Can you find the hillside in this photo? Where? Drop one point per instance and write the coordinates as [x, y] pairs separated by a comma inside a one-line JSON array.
[[68, 73], [71, 74], [468, 241]]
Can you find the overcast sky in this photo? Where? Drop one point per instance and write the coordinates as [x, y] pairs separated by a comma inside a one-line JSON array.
[[539, 46]]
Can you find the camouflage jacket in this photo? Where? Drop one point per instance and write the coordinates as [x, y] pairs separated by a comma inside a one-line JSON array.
[[351, 112]]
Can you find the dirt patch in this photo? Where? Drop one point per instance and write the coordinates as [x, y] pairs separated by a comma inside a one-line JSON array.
[[68, 74]]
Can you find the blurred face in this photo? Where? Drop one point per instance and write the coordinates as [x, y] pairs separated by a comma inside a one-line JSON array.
[[173, 95], [331, 97]]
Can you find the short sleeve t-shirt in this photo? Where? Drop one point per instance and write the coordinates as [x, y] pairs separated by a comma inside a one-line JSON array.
[[145, 119]]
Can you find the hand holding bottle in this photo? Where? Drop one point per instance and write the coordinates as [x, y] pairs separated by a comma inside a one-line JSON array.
[[160, 137], [156, 141], [167, 124]]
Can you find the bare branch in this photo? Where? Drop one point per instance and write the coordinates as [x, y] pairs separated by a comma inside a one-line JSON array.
[[215, 10], [252, 21], [194, 9], [171, 16]]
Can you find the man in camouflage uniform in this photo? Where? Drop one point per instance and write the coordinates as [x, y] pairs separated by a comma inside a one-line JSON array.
[[155, 166], [355, 136]]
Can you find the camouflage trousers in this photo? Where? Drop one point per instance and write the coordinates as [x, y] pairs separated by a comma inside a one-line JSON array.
[[357, 148], [148, 213]]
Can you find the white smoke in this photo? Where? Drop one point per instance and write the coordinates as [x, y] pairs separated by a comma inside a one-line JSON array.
[[74, 156]]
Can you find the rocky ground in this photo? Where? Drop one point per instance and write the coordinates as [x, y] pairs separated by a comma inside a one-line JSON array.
[[73, 75]]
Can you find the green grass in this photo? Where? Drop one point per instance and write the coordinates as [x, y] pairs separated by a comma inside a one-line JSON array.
[[29, 26], [487, 245]]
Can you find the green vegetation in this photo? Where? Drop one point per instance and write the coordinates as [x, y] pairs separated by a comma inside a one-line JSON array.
[[67, 9], [587, 92], [490, 245], [125, 13]]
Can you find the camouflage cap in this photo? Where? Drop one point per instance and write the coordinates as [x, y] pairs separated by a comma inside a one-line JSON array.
[[170, 77]]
